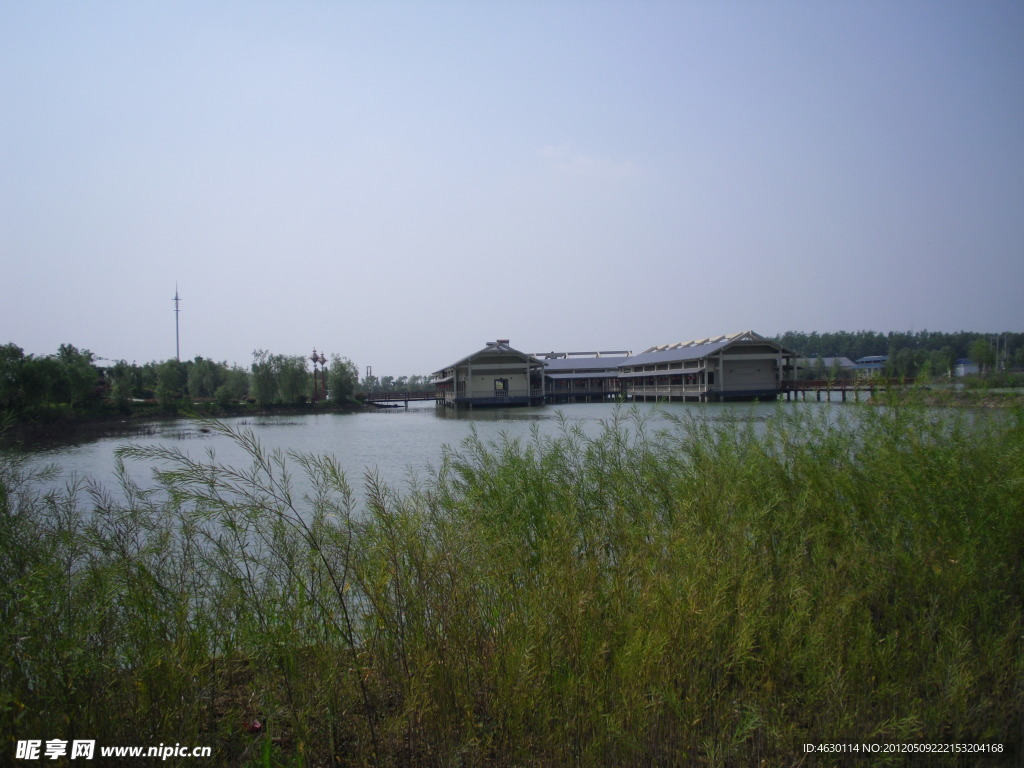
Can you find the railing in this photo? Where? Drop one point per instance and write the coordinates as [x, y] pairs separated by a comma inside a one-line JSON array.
[[492, 397], [837, 385], [728, 389], [667, 390], [606, 385], [386, 397]]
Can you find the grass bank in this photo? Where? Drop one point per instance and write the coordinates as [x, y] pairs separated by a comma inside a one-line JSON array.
[[942, 397], [718, 593]]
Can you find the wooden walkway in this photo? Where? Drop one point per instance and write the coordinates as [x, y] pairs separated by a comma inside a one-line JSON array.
[[792, 389], [381, 398], [828, 386]]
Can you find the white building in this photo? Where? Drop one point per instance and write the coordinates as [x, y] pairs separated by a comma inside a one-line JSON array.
[[741, 366], [496, 375], [965, 367]]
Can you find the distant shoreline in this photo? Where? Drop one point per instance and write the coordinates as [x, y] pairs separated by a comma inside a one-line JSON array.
[[71, 428], [967, 398]]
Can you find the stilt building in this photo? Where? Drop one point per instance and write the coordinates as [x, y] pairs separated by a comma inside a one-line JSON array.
[[740, 366]]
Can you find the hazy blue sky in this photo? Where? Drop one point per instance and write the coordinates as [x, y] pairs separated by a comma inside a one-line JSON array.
[[401, 182]]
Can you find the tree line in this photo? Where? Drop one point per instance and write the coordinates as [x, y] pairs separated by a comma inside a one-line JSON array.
[[371, 383], [913, 353], [76, 378]]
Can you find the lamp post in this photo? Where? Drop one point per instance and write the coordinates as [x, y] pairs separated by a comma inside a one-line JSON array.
[[315, 358]]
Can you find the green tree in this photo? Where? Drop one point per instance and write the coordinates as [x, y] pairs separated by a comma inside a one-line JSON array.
[[235, 386], [145, 380], [279, 378], [12, 370], [122, 383], [264, 377], [902, 362], [171, 379], [79, 372], [44, 382], [295, 382], [941, 361], [982, 353], [342, 377], [204, 376]]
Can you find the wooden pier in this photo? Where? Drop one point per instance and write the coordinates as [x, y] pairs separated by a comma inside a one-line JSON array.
[[828, 386]]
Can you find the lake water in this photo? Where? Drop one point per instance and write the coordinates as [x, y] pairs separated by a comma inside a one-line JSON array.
[[396, 443]]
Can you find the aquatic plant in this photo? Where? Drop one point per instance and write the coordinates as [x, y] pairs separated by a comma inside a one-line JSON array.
[[710, 592]]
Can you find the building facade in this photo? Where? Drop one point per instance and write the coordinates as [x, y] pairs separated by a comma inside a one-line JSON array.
[[582, 377], [741, 366], [496, 375]]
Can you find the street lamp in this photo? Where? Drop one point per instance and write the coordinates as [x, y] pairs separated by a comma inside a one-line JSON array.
[[315, 358]]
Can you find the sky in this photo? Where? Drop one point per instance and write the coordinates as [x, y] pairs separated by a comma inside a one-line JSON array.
[[399, 183]]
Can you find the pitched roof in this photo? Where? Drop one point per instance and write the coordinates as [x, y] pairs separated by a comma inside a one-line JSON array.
[[562, 364], [500, 346], [698, 349]]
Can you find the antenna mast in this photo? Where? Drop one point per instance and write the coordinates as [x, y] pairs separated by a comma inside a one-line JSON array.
[[177, 333]]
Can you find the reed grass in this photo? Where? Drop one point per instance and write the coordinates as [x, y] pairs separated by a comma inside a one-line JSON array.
[[697, 591]]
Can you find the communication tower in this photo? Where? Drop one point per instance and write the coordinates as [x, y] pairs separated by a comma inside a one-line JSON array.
[[177, 332]]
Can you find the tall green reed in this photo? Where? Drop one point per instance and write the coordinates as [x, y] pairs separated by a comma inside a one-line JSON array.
[[694, 590]]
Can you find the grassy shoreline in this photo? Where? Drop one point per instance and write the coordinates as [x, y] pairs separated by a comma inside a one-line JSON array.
[[966, 398], [718, 593]]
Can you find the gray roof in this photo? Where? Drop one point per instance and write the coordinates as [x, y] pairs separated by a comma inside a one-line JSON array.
[[676, 354], [669, 353], [492, 346], [697, 350], [565, 364]]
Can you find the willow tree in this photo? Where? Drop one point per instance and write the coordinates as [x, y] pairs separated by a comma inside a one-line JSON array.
[[263, 383], [342, 378]]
